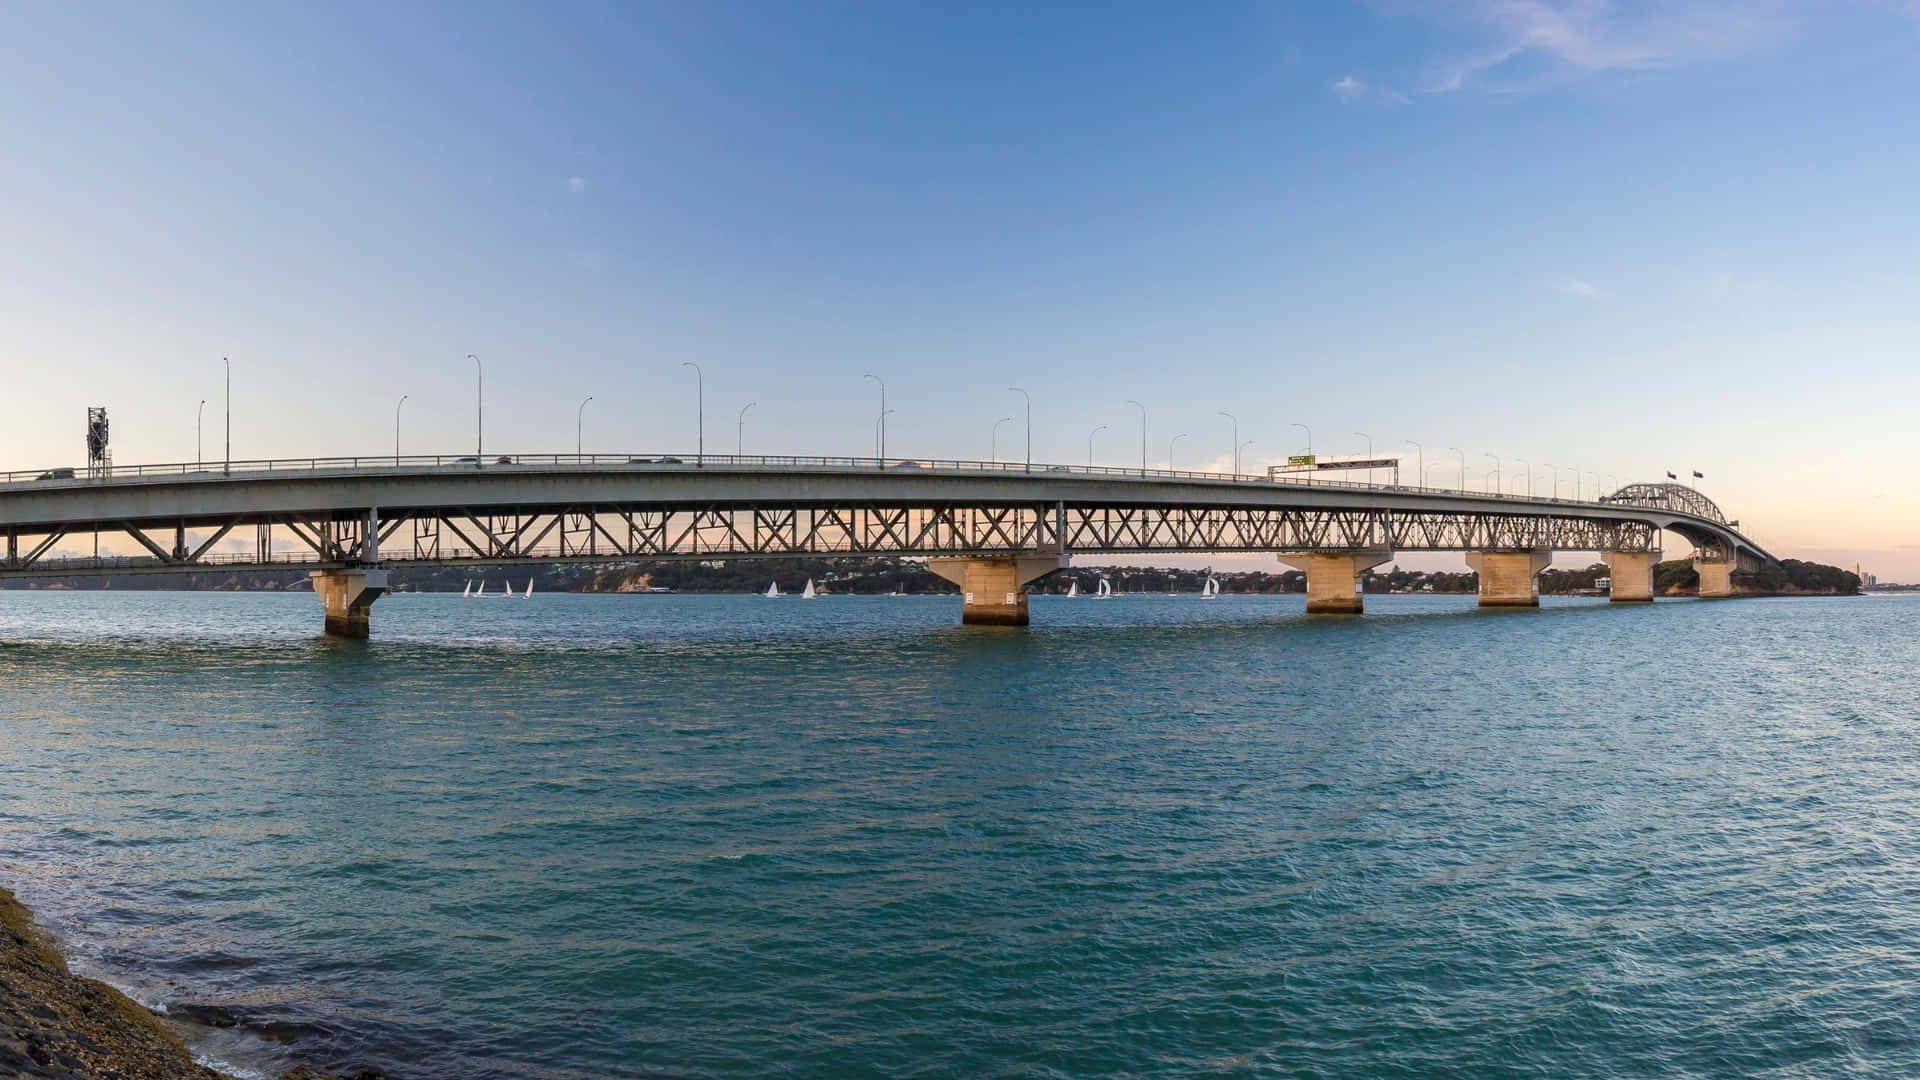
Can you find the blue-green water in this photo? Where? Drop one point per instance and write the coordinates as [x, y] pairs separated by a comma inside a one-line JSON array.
[[679, 836]]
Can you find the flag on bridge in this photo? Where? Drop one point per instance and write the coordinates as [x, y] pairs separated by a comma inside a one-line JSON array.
[[1670, 476], [1697, 476]]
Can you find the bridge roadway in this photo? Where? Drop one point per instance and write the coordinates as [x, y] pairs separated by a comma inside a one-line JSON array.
[[990, 527]]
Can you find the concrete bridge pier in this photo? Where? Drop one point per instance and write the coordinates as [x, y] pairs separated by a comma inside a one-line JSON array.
[[1509, 578], [1333, 577], [990, 586], [348, 596], [1632, 576], [1716, 577]]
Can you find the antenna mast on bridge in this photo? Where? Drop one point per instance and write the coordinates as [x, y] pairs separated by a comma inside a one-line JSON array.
[[99, 458]]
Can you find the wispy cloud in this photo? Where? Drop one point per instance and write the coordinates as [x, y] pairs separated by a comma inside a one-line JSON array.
[[576, 184], [1354, 91], [1576, 287], [1543, 41]]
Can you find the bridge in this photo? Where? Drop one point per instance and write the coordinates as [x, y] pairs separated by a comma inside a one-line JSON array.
[[989, 527]]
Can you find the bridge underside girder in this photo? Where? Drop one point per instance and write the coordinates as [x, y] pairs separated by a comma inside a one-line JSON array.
[[456, 535]]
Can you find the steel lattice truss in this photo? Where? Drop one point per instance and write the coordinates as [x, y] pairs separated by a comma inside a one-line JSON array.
[[1677, 497], [443, 536]]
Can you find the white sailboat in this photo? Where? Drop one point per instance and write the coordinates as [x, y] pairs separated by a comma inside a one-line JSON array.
[[1210, 590], [1106, 590], [773, 591], [528, 595], [1073, 588], [468, 591], [807, 593]]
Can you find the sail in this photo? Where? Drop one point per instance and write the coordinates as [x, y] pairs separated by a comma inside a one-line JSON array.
[[807, 593], [1211, 589], [773, 591], [528, 595], [1106, 588], [1073, 589], [468, 591]]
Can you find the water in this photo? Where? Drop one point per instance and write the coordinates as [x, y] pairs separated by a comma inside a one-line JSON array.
[[636, 836]]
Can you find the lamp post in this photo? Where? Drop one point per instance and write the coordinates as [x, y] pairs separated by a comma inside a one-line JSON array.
[[740, 430], [1369, 439], [1236, 456], [1420, 458], [994, 444], [479, 416], [1529, 466], [1496, 473], [1236, 440], [1309, 432], [198, 417], [227, 467], [1143, 434], [700, 406], [1170, 443], [1463, 467], [1090, 436], [579, 428], [396, 429], [1555, 473], [1029, 398], [1596, 486], [880, 426]]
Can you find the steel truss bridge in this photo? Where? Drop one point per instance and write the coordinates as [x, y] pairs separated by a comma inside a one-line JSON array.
[[321, 514]]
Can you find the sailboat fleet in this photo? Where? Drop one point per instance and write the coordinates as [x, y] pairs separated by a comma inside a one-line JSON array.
[[476, 589], [773, 591]]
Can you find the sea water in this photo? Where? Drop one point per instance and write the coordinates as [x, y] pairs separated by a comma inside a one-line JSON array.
[[627, 836]]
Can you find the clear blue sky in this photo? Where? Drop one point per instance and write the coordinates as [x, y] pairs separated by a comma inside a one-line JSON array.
[[1621, 236]]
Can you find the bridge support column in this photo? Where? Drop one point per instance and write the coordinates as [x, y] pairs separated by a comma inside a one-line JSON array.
[[1333, 577], [1509, 578], [1716, 577], [990, 586], [348, 596], [1632, 576]]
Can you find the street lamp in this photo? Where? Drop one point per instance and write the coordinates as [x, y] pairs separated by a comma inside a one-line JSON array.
[[1090, 436], [1496, 473], [1029, 398], [1143, 434], [1463, 467], [197, 424], [1236, 440], [700, 406], [479, 405], [1529, 466], [1170, 443], [579, 427], [880, 426], [227, 468], [1420, 458], [1555, 473], [740, 430], [396, 429], [994, 444], [1596, 486], [1309, 432], [1236, 456]]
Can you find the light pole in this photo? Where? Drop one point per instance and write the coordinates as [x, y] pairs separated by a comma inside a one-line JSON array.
[[1576, 483], [740, 430], [1613, 482], [227, 468], [1529, 466], [1369, 439], [1029, 398], [1463, 467], [880, 426], [1143, 434], [1236, 456], [1309, 432], [1090, 436], [579, 427], [1420, 458], [1555, 473], [1596, 485], [994, 445], [197, 425], [1236, 440], [1496, 473], [396, 429], [479, 405], [700, 406], [1170, 443]]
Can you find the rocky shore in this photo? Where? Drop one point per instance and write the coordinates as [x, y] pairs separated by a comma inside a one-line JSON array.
[[54, 1023]]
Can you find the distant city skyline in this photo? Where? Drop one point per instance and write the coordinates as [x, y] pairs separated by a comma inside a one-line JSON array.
[[1618, 239]]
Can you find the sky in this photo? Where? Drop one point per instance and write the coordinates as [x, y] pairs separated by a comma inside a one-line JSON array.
[[1624, 238]]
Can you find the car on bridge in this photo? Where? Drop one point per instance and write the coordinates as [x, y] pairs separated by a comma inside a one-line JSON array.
[[56, 474]]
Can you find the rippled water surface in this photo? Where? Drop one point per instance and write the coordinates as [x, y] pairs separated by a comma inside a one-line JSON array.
[[678, 836]]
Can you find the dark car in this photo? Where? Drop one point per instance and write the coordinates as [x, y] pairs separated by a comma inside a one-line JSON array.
[[503, 461], [670, 461], [639, 461], [56, 474]]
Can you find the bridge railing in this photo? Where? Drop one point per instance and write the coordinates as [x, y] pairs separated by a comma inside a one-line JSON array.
[[204, 470]]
